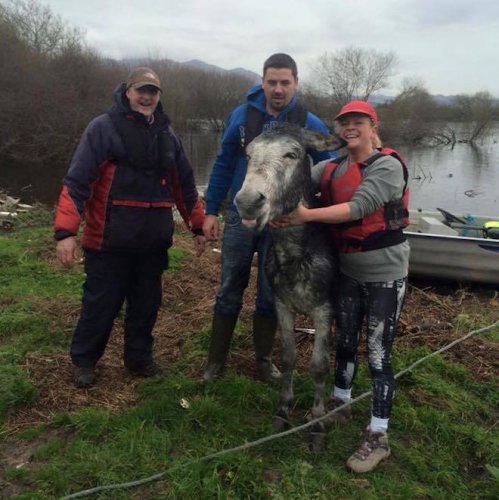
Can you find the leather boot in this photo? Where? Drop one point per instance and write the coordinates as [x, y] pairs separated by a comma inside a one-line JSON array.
[[263, 340], [84, 377], [221, 336]]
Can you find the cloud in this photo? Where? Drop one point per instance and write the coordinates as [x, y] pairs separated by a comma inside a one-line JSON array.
[[449, 44]]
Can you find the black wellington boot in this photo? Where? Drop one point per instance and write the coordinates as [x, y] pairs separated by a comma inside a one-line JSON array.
[[221, 336]]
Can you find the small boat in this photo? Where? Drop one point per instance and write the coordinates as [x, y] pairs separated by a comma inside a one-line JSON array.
[[454, 247]]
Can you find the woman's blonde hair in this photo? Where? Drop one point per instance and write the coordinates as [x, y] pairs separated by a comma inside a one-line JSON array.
[[376, 142]]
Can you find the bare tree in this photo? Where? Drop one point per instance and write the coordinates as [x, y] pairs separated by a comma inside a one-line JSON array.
[[179, 81], [61, 80], [317, 103], [352, 73], [39, 27], [478, 112], [219, 94], [412, 116]]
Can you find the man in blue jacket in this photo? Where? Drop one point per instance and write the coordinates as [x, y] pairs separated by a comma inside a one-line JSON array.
[[267, 104]]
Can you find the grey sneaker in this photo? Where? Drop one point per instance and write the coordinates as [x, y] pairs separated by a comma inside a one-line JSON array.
[[84, 377], [370, 453], [340, 416]]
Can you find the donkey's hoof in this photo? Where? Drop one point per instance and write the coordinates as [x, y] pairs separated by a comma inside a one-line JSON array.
[[280, 423], [317, 441]]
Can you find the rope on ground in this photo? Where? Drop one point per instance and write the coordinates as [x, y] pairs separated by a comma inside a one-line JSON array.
[[252, 444]]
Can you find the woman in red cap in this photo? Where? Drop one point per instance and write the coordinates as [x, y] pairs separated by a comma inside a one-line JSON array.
[[365, 201]]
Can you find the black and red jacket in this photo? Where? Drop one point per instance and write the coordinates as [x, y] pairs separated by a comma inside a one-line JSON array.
[[381, 229], [124, 179]]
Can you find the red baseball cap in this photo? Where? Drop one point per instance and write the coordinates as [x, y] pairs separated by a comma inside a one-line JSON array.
[[362, 107]]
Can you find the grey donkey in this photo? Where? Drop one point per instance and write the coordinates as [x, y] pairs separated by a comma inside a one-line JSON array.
[[302, 265]]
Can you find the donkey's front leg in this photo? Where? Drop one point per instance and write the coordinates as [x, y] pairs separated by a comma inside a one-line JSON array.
[[319, 363], [288, 359]]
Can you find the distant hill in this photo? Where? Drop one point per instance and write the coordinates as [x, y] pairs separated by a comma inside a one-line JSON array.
[[376, 100], [380, 99], [448, 100], [197, 64]]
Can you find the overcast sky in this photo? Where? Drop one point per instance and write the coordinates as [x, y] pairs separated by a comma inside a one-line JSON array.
[[451, 45]]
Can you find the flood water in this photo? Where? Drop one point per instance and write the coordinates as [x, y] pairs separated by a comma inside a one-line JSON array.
[[464, 179]]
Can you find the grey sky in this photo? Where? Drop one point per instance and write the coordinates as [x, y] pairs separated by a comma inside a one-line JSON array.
[[448, 44]]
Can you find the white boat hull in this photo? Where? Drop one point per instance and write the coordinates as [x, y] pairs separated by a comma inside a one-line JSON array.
[[451, 255]]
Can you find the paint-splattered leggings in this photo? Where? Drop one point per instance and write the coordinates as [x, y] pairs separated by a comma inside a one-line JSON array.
[[380, 303]]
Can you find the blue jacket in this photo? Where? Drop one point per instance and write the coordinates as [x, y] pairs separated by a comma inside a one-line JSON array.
[[229, 169]]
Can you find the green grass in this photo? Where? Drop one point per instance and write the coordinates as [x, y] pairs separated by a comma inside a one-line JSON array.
[[440, 449], [28, 286], [443, 429]]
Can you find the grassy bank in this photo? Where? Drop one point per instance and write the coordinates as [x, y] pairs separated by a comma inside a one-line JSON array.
[[56, 440]]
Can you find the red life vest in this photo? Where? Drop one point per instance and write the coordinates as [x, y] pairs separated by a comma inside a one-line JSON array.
[[381, 229]]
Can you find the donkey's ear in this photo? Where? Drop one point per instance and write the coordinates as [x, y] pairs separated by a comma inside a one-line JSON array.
[[321, 142]]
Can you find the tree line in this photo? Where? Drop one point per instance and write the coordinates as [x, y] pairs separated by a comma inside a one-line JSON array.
[[53, 84], [414, 115]]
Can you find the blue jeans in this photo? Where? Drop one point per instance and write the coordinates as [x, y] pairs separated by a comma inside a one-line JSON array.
[[239, 245]]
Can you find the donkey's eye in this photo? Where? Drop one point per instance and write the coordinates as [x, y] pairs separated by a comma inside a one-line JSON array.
[[291, 155]]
